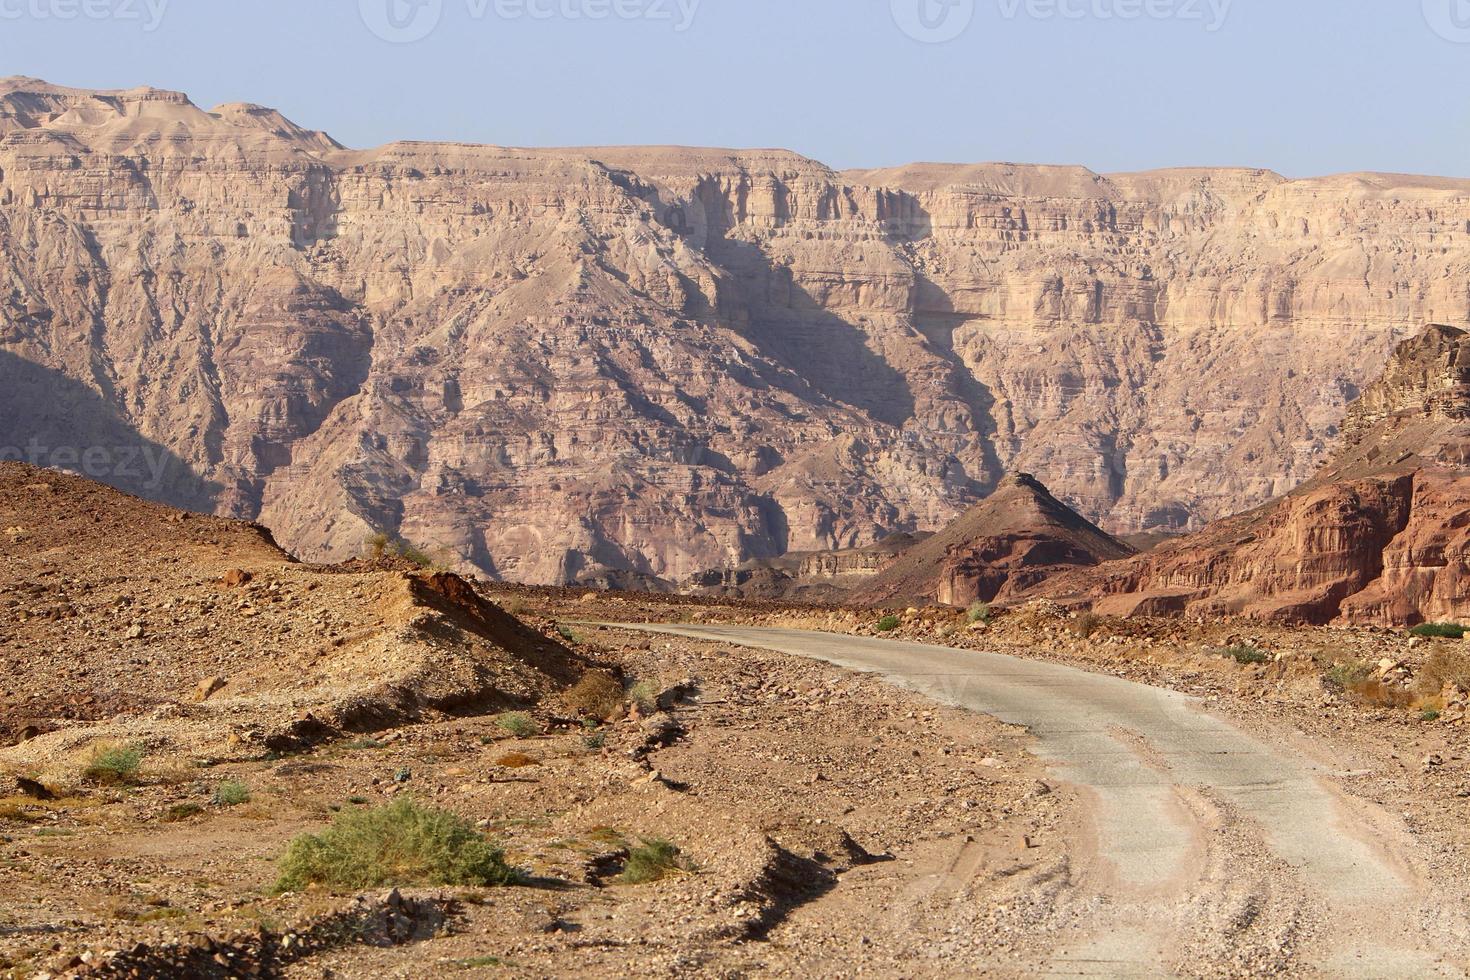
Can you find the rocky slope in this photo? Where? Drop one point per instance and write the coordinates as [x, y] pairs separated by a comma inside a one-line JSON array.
[[127, 620], [1378, 537], [550, 364], [1018, 537]]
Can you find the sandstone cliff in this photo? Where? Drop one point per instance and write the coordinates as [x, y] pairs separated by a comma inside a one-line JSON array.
[[1018, 537], [553, 364], [1380, 536]]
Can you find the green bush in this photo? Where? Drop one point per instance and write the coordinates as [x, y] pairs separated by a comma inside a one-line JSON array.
[[978, 613], [231, 793], [518, 723], [1347, 675], [1447, 631], [1246, 654], [645, 695], [889, 623], [398, 845], [114, 765], [649, 862]]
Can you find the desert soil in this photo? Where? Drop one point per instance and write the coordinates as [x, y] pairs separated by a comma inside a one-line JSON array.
[[1108, 798]]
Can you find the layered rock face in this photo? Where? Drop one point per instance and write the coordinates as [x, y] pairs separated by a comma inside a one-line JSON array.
[[1018, 537], [555, 364], [1380, 536]]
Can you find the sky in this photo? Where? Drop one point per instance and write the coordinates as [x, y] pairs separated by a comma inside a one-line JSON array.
[[1303, 87]]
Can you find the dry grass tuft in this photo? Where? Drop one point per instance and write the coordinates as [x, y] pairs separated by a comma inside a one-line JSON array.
[[597, 695]]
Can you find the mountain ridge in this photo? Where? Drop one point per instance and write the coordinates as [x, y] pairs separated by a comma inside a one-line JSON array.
[[555, 364]]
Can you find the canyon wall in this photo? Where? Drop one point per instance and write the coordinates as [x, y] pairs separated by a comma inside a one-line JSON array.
[[550, 364], [1381, 536]]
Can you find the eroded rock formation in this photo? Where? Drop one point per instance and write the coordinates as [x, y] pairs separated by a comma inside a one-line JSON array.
[[1380, 536], [555, 364], [1016, 538]]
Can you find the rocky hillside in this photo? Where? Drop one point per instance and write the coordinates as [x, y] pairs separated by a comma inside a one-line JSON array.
[[1015, 539], [554, 364], [128, 620], [1378, 537]]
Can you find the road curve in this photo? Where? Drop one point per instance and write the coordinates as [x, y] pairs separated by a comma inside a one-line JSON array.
[[1153, 765]]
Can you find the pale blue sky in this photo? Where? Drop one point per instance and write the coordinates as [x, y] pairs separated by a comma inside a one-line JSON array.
[[1300, 86]]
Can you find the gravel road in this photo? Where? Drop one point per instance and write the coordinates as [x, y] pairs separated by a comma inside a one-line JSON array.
[[1196, 828]]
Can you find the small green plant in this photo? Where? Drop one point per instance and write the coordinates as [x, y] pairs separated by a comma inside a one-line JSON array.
[[1347, 675], [401, 844], [594, 742], [1246, 655], [651, 861], [1446, 631], [114, 765], [382, 545], [645, 695], [364, 745], [888, 624], [1430, 715], [569, 634], [230, 793], [978, 613], [518, 723]]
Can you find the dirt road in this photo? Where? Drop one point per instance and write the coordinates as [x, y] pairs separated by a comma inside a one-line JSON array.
[[1195, 830]]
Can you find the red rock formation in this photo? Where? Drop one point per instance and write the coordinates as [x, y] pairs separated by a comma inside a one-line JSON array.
[[1018, 537], [1379, 537]]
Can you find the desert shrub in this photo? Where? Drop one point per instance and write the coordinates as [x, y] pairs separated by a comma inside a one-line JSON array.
[[1444, 667], [401, 844], [1345, 675], [518, 723], [182, 811], [381, 546], [651, 861], [231, 793], [978, 613], [14, 813], [1447, 631], [1430, 714], [594, 742], [514, 605], [569, 635], [597, 695], [1245, 654], [889, 623], [113, 765], [645, 695], [1086, 624], [1371, 690]]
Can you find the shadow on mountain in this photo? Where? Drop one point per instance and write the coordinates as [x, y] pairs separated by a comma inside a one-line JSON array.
[[826, 351], [51, 420]]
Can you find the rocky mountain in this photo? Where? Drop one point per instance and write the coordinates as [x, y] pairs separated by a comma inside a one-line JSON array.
[[1017, 538], [554, 364], [1380, 536]]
